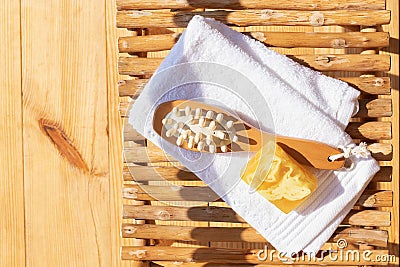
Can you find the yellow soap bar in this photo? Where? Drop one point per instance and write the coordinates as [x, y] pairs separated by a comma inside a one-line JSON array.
[[278, 177]]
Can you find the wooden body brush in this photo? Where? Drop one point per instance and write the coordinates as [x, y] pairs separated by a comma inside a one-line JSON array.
[[199, 127]]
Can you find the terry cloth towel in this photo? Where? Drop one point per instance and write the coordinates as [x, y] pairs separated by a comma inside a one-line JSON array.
[[211, 62]]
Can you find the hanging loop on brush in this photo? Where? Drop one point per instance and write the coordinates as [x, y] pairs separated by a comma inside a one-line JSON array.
[[360, 151]]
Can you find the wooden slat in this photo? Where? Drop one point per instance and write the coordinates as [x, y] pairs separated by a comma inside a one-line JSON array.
[[223, 214], [147, 66], [130, 134], [370, 198], [167, 173], [170, 193], [368, 85], [376, 198], [377, 238], [138, 66], [243, 4], [66, 159], [166, 18], [374, 108], [238, 234], [160, 42], [220, 255], [375, 218], [345, 62], [171, 173], [131, 88], [12, 221], [374, 130], [179, 213]]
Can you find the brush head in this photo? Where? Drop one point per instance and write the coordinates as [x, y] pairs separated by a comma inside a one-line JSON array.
[[192, 125]]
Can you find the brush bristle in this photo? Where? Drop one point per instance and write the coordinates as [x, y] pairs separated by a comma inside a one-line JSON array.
[[200, 129]]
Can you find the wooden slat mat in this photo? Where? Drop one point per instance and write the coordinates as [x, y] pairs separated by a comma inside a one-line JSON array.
[[186, 224]]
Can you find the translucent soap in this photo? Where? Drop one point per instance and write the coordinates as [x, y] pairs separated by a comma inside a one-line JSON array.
[[278, 177]]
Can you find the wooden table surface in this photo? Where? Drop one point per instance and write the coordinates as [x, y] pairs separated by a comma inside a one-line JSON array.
[[60, 133]]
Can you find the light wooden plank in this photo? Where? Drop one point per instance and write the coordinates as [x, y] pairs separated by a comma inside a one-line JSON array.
[[114, 132], [167, 18], [65, 132], [234, 4], [12, 225]]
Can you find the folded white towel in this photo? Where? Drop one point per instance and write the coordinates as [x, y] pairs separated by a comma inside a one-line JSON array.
[[213, 62]]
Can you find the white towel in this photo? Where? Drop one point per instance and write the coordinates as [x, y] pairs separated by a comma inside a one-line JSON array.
[[271, 91]]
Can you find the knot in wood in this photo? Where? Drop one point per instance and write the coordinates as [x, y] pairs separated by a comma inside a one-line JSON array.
[[317, 19], [163, 215], [259, 36], [266, 14], [130, 229], [130, 192], [379, 82], [138, 253], [339, 43]]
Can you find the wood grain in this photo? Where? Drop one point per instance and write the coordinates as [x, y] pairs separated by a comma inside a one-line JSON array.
[[166, 18], [114, 133], [12, 225], [277, 39], [66, 164], [234, 4]]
